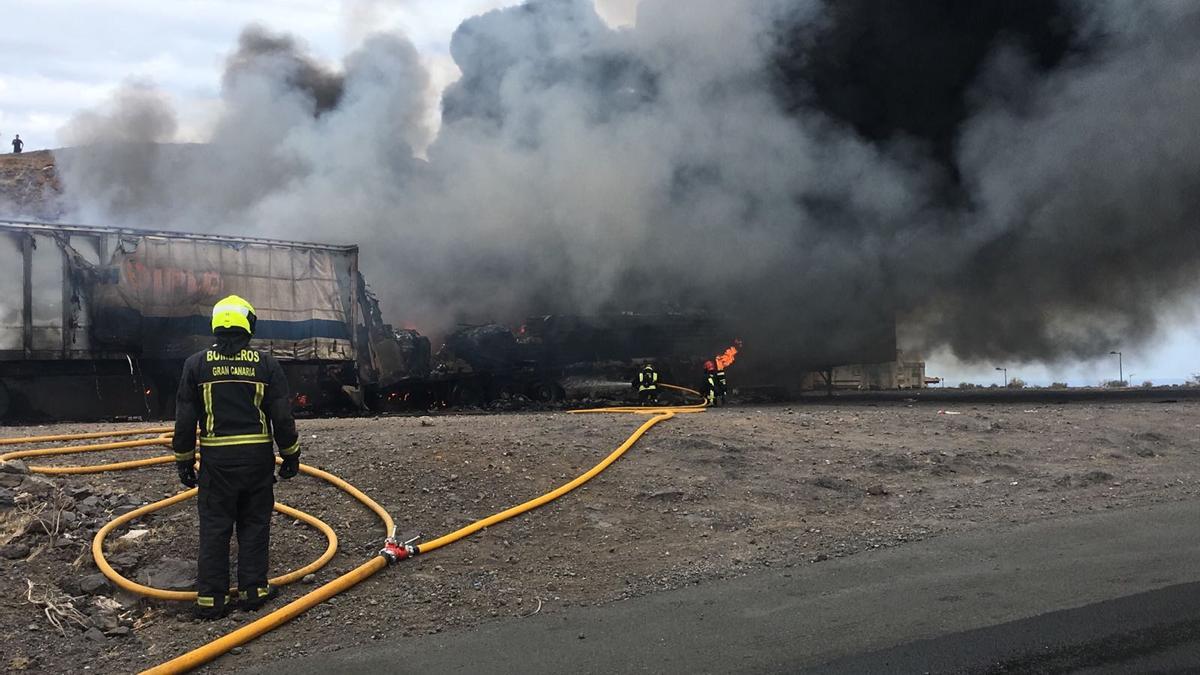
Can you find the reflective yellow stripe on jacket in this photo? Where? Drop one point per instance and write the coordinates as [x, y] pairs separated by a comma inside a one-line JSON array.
[[260, 390], [245, 439]]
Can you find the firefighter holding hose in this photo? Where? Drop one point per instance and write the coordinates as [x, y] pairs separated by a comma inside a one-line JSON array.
[[239, 397]]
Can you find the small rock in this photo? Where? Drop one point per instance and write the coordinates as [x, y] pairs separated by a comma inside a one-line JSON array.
[[876, 490], [170, 574], [1093, 477], [93, 583], [425, 421], [126, 599], [236, 650], [11, 480], [309, 579], [124, 560], [665, 495], [134, 535], [118, 631], [7, 498], [14, 551], [105, 621], [14, 466], [94, 634], [38, 485]]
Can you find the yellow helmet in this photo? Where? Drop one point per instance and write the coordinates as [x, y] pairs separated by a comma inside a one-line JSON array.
[[233, 312]]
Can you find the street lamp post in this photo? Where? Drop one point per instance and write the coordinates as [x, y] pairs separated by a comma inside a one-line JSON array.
[[1120, 367], [1005, 375]]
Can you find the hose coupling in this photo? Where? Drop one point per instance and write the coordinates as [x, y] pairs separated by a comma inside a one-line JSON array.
[[395, 551]]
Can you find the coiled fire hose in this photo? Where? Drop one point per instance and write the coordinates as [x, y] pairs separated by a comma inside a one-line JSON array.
[[393, 551]]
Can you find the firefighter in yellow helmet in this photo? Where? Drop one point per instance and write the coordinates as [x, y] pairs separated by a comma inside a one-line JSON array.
[[239, 397], [647, 385]]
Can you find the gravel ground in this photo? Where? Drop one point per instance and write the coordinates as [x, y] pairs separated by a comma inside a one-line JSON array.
[[700, 498]]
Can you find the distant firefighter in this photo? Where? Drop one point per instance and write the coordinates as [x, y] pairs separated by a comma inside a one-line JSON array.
[[710, 382], [647, 385], [720, 386], [18, 145]]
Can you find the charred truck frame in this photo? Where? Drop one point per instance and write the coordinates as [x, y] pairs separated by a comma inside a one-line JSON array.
[[96, 322]]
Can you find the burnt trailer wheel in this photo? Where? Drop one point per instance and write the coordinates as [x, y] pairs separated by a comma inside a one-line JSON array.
[[505, 389], [547, 391]]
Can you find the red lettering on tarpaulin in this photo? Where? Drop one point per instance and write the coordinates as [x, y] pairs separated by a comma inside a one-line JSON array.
[[171, 283]]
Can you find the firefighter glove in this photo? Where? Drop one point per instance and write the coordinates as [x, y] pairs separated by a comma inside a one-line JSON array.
[[187, 472], [290, 466]]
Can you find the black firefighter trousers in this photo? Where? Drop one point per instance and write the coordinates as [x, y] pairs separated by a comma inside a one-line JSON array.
[[233, 496]]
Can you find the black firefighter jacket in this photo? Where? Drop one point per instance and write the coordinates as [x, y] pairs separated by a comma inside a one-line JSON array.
[[239, 396]]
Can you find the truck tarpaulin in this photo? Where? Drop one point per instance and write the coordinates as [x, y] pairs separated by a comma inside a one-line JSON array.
[[156, 294]]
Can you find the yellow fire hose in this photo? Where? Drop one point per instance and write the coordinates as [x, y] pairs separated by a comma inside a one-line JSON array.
[[164, 439], [393, 551]]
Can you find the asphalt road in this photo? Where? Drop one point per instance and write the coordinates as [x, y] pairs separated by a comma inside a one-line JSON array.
[[1110, 591]]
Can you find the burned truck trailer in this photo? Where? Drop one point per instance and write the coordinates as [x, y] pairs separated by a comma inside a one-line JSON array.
[[96, 322]]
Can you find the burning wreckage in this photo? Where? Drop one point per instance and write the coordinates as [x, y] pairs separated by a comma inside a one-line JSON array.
[[96, 322]]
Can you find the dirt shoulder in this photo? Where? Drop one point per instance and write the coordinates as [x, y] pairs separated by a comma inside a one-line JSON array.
[[701, 498]]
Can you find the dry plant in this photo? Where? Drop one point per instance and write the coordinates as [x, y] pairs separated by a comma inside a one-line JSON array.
[[56, 605], [48, 514]]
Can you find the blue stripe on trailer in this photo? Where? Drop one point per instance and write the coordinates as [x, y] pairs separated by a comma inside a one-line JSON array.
[[265, 329]]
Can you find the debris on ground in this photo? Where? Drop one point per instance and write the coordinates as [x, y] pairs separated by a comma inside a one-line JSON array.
[[701, 498]]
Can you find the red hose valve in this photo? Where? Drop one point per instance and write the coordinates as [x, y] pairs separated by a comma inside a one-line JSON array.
[[396, 551]]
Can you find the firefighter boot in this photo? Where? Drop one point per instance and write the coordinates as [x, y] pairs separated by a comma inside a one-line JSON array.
[[253, 599], [208, 608]]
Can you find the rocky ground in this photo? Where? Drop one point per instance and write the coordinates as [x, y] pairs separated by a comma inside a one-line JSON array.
[[702, 497]]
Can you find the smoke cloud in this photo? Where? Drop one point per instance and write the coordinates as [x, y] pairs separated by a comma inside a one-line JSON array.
[[1010, 179]]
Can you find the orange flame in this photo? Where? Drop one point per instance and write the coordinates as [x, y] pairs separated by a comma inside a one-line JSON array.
[[725, 360]]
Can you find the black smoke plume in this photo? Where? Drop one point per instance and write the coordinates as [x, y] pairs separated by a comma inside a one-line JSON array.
[[259, 50], [1007, 178]]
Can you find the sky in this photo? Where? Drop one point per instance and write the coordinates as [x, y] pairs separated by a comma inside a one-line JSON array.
[[61, 56]]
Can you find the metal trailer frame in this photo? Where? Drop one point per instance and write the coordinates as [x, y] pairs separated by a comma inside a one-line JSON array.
[[26, 229], [66, 358]]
